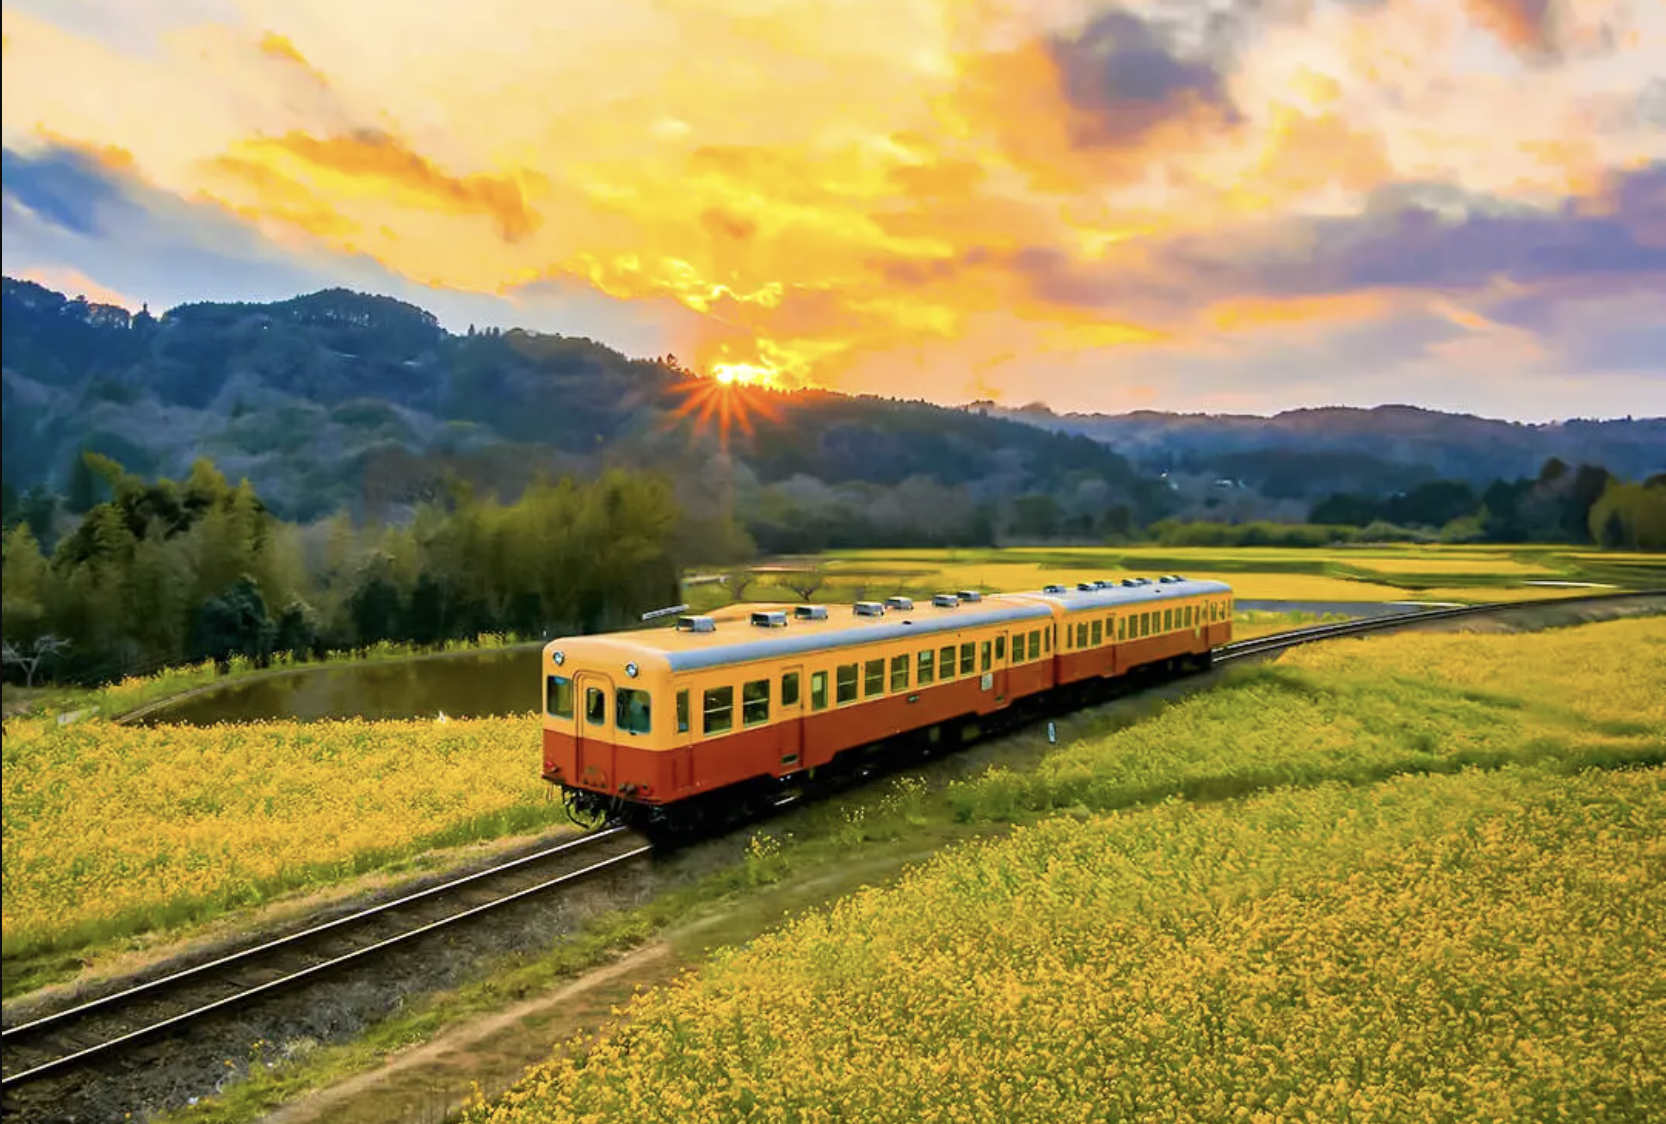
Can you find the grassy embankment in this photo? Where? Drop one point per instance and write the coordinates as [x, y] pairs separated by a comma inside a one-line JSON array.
[[1209, 911]]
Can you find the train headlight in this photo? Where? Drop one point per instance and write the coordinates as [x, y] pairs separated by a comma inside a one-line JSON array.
[[559, 658], [630, 670]]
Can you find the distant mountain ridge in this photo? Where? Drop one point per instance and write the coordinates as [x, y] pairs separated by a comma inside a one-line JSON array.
[[338, 399], [1341, 448]]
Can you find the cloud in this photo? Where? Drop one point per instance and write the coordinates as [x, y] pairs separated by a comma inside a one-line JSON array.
[[280, 49], [880, 195], [65, 187], [1128, 80], [1522, 24], [381, 162]]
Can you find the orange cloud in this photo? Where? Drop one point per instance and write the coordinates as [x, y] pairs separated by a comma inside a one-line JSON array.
[[1523, 24], [379, 162], [836, 193], [278, 47]]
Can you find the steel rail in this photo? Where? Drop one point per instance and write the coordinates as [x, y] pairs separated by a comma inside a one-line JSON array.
[[249, 955]]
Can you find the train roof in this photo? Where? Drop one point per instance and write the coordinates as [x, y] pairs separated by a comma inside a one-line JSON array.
[[1116, 595], [734, 639]]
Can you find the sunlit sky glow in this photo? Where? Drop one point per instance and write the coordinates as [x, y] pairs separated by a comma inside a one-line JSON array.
[[1168, 204]]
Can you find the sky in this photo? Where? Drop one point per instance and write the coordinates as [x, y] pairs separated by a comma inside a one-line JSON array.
[[1197, 205]]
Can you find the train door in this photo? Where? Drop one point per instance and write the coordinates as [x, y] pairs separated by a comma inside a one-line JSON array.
[[1003, 658], [792, 719], [593, 762]]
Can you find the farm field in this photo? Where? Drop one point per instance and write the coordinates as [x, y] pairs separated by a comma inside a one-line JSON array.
[[1343, 573], [1408, 878], [114, 830]]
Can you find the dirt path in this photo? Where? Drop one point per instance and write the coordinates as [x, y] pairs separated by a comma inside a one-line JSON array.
[[425, 1083]]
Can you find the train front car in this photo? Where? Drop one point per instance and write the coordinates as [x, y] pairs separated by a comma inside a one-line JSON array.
[[672, 727], [607, 724]]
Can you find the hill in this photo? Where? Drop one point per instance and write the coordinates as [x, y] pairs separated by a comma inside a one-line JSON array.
[[339, 400], [1308, 454]]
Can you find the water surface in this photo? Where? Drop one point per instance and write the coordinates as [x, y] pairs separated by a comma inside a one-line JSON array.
[[464, 685]]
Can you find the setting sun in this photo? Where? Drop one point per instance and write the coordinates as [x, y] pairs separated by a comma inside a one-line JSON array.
[[743, 374]]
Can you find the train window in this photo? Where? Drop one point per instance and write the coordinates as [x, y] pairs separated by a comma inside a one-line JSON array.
[[845, 684], [682, 712], [925, 676], [968, 658], [818, 690], [1145, 624], [945, 662], [1001, 646], [1035, 644], [595, 706], [1082, 634], [1046, 640], [754, 702], [560, 697], [873, 678], [1098, 637], [720, 710], [899, 673], [1122, 628], [789, 689], [984, 657], [1168, 620], [630, 711]]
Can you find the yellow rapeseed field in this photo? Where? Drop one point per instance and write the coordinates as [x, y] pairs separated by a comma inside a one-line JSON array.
[[1445, 909], [112, 829], [1476, 948]]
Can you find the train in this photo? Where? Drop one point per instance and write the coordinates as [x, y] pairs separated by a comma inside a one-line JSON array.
[[718, 716]]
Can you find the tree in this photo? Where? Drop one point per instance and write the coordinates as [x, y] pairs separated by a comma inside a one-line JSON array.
[[235, 622], [738, 582], [806, 582], [30, 658]]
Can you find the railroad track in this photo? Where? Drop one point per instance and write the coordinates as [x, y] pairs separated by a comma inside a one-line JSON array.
[[1281, 641], [104, 1030]]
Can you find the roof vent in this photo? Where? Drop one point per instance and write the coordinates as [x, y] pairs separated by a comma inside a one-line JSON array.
[[770, 619], [970, 596], [1130, 582], [903, 603], [1085, 586], [810, 612], [1103, 585], [1053, 589], [696, 624], [945, 600], [1168, 579], [868, 609]]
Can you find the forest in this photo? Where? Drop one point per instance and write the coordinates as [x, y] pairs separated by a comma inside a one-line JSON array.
[[162, 572]]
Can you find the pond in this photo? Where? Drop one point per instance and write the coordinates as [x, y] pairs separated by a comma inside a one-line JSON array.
[[462, 685]]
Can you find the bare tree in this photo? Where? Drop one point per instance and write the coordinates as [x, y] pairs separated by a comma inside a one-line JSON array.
[[738, 581], [806, 582], [44, 646]]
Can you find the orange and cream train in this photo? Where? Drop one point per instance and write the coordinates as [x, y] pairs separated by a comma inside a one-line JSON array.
[[668, 726]]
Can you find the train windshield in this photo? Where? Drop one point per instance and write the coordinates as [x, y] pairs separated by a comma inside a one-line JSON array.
[[632, 711]]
